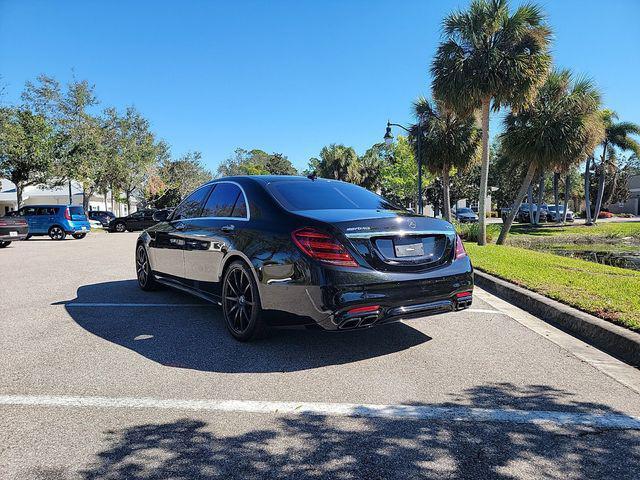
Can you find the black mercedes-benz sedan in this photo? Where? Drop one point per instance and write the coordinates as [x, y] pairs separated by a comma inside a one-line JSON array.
[[288, 250]]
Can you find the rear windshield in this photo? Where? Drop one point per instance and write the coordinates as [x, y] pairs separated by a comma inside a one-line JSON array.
[[76, 210], [324, 195]]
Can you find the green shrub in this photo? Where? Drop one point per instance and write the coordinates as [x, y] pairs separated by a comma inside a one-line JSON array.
[[469, 232]]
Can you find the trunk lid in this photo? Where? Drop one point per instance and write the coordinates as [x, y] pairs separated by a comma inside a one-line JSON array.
[[392, 240]]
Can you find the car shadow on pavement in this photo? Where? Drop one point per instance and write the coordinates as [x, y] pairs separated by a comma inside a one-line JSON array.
[[318, 447], [193, 335]]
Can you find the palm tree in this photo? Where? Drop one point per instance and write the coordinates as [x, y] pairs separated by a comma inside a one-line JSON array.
[[617, 136], [555, 132], [448, 141], [491, 58]]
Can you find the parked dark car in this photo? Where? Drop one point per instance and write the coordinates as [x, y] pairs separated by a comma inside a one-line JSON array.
[[465, 215], [136, 221], [286, 250], [104, 217], [57, 221], [523, 215], [12, 228]]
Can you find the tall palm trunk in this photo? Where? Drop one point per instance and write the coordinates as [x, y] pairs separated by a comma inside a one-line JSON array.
[[540, 198], [567, 189], [446, 194], [587, 185], [526, 183], [530, 202], [484, 173], [556, 198], [601, 178]]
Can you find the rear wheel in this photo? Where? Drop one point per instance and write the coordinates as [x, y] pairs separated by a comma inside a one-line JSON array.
[[4, 244], [241, 303], [79, 236], [120, 227], [146, 281], [57, 233]]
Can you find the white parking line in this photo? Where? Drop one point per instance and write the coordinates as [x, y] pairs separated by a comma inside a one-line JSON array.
[[74, 304], [458, 414]]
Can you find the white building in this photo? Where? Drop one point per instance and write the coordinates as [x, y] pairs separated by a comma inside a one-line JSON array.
[[39, 195]]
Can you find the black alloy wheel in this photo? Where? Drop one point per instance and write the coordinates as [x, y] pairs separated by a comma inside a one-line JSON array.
[[57, 233], [241, 303], [146, 281], [120, 227], [79, 236]]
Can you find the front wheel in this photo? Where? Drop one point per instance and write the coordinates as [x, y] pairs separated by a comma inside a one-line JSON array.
[[57, 233], [79, 236], [241, 303], [146, 281], [4, 244], [120, 227]]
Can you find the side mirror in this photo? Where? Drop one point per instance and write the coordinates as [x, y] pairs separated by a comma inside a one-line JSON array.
[[161, 215]]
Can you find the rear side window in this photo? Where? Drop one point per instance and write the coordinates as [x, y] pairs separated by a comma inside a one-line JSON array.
[[226, 200], [76, 210], [325, 195], [190, 207]]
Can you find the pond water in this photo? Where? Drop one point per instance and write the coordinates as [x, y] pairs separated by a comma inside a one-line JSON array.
[[622, 260]]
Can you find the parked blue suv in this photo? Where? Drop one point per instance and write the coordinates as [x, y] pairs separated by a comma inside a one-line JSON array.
[[55, 220]]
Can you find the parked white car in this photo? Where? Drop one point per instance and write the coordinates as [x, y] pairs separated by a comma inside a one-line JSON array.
[[555, 210]]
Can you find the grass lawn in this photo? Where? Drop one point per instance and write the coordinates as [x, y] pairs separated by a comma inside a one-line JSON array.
[[602, 230], [607, 292]]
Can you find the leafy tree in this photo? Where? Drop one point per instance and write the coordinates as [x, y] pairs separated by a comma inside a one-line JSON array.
[[555, 132], [399, 174], [256, 162], [449, 141], [371, 166], [338, 162], [618, 136], [180, 177], [26, 147], [491, 58]]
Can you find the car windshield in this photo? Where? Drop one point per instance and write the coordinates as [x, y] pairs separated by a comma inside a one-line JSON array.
[[465, 210], [326, 195]]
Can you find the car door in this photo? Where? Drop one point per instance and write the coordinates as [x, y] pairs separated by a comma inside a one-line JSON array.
[[29, 213], [147, 219], [208, 238], [167, 246], [135, 221]]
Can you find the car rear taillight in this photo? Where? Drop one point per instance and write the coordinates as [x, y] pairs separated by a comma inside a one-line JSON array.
[[323, 247], [460, 251], [67, 213]]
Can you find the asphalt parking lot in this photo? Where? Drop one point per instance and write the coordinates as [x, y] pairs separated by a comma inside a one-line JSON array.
[[101, 380]]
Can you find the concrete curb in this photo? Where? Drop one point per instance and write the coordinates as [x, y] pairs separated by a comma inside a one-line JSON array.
[[613, 339]]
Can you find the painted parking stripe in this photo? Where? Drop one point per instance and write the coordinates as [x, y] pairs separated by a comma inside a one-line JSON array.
[[139, 305], [463, 414]]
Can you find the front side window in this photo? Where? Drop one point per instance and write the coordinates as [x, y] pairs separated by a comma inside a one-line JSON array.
[[191, 206], [226, 201]]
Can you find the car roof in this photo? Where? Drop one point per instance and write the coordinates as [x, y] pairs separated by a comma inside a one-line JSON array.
[[266, 179], [39, 205]]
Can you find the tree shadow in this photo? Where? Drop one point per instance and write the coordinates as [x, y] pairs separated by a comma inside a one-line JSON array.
[[316, 447], [193, 335]]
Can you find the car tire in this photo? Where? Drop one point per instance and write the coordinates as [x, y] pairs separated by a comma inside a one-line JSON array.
[[57, 233], [120, 227], [79, 236], [28, 237], [241, 307], [4, 244], [146, 280]]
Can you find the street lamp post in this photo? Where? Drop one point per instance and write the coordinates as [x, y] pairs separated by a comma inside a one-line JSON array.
[[388, 139]]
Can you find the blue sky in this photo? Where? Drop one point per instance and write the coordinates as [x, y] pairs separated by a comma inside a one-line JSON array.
[[283, 76]]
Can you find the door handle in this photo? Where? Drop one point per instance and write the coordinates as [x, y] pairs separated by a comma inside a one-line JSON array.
[[228, 228]]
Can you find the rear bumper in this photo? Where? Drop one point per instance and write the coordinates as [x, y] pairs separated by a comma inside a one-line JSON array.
[[331, 305], [21, 233], [76, 227]]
